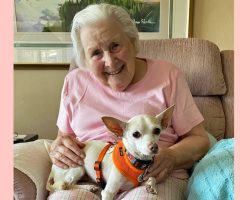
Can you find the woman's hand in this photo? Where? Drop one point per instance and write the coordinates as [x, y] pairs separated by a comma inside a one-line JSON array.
[[164, 163], [66, 151], [182, 155]]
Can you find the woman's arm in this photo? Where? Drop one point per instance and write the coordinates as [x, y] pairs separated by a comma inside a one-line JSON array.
[[66, 151], [191, 147], [182, 155]]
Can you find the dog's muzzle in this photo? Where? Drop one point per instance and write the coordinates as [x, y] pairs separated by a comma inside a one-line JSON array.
[[154, 148]]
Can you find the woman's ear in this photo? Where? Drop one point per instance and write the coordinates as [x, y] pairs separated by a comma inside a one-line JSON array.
[[116, 126]]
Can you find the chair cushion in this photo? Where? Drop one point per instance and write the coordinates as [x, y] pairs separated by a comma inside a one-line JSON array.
[[199, 60]]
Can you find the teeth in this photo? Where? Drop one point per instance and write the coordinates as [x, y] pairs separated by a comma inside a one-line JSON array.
[[114, 72]]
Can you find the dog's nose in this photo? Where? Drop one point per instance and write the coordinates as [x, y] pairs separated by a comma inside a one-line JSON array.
[[154, 148]]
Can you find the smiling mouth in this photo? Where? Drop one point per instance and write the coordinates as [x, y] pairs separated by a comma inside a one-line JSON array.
[[115, 72]]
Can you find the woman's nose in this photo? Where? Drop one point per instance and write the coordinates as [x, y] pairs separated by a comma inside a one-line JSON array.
[[109, 59]]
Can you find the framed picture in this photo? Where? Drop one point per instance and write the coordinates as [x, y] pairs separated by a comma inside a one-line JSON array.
[[42, 27], [50, 21]]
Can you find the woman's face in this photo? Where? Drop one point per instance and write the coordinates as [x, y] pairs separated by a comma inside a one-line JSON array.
[[109, 54]]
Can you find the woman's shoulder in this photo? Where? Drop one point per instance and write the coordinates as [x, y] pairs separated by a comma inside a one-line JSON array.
[[78, 77], [76, 82], [77, 73]]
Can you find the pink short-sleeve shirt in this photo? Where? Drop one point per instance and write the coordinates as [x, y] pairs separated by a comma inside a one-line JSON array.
[[84, 101]]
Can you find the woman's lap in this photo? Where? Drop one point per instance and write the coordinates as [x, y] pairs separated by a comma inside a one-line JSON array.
[[171, 189], [75, 194]]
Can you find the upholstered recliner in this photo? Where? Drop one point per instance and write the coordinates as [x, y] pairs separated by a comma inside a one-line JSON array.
[[210, 75]]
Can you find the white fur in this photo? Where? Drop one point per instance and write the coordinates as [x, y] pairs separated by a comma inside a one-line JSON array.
[[139, 147]]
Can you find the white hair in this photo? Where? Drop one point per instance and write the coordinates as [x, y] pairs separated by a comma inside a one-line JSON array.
[[97, 12]]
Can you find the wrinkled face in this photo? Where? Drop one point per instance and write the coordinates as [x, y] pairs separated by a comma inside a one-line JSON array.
[[109, 54]]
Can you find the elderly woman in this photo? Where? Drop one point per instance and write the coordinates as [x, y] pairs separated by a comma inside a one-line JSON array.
[[112, 80]]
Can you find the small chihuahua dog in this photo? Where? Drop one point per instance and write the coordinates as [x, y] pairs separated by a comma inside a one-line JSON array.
[[125, 163]]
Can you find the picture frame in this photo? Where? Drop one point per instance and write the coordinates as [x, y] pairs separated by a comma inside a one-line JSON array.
[[24, 37]]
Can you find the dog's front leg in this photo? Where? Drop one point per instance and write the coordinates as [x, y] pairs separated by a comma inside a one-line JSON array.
[[114, 183], [151, 185]]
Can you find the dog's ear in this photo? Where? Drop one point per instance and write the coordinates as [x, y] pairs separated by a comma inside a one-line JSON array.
[[165, 116], [116, 126]]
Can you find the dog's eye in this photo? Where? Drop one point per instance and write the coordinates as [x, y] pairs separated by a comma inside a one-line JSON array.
[[137, 134], [156, 131]]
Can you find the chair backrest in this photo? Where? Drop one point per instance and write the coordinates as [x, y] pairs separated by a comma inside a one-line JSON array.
[[200, 61]]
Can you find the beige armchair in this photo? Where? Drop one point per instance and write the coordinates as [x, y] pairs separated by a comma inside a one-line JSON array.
[[210, 75]]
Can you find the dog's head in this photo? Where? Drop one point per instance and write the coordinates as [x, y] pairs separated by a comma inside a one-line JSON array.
[[141, 133]]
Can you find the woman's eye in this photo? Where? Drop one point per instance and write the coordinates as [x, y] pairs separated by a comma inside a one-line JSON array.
[[115, 47], [136, 134], [96, 53]]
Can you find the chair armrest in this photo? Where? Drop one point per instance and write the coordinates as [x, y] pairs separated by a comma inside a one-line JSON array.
[[24, 187], [33, 161], [227, 58]]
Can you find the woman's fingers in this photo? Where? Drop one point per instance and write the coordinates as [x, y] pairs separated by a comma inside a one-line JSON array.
[[156, 164], [68, 157], [162, 176], [58, 162], [154, 171], [72, 144], [66, 152], [163, 165], [80, 144]]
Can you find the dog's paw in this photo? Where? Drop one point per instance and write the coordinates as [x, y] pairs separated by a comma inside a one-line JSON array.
[[94, 189], [90, 188], [151, 185], [150, 189]]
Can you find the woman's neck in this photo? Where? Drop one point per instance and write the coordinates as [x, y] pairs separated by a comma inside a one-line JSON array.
[[140, 70]]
